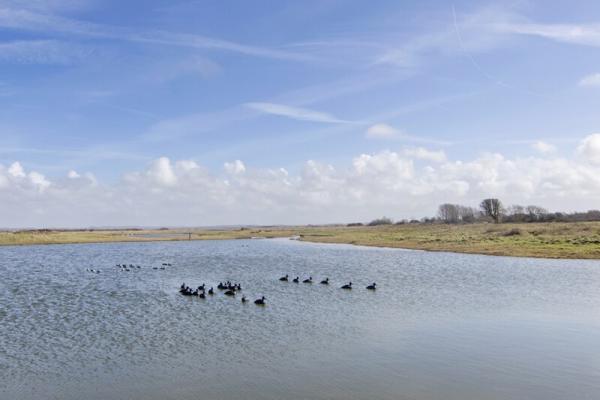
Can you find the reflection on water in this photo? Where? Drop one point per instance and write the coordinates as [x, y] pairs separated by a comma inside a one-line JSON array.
[[439, 326]]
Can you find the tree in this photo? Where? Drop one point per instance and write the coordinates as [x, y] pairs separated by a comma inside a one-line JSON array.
[[492, 208], [535, 212], [466, 214], [381, 221], [449, 213]]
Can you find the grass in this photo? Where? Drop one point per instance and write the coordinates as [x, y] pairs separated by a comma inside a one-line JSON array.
[[548, 240]]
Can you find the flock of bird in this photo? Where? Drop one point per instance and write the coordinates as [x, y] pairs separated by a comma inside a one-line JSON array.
[[230, 289], [130, 267], [325, 281]]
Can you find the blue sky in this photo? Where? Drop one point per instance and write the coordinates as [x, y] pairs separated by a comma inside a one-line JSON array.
[[108, 90]]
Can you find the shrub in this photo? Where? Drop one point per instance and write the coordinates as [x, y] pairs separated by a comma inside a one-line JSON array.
[[381, 221]]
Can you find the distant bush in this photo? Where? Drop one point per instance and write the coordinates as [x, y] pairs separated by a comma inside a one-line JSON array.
[[381, 221], [355, 224]]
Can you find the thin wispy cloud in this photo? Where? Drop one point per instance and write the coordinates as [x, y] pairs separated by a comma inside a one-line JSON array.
[[298, 113], [42, 52], [21, 19], [592, 80], [584, 34]]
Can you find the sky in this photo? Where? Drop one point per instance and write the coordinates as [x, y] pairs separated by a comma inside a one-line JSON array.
[[198, 113]]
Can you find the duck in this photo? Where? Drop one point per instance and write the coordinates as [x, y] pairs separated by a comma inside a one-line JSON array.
[[325, 281], [211, 291], [371, 287], [284, 278], [201, 295], [296, 280], [348, 286], [230, 293], [309, 280], [244, 299], [261, 301]]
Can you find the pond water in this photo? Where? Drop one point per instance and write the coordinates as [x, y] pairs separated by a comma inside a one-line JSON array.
[[439, 326]]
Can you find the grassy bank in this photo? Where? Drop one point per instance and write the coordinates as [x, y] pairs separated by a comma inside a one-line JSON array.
[[550, 240]]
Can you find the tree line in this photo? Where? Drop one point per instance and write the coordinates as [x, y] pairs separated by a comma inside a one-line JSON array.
[[492, 210]]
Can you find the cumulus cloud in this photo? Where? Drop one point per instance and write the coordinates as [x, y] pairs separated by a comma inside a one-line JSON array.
[[393, 183], [592, 80], [590, 148], [543, 147], [422, 153], [381, 131]]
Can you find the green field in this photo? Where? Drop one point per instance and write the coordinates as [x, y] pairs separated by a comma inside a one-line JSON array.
[[550, 240]]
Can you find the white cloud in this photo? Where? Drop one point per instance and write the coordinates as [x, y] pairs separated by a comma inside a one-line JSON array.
[[370, 185], [592, 80], [590, 148], [584, 34], [422, 153], [42, 52], [543, 147], [73, 174], [303, 114], [381, 131], [236, 167]]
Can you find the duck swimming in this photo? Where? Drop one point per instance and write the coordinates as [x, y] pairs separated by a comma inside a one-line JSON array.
[[284, 278], [325, 281], [348, 286], [371, 287], [309, 280], [230, 293], [261, 301], [244, 299], [296, 280], [210, 291]]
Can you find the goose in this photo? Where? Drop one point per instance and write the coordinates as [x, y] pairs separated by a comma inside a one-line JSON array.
[[284, 278], [309, 280], [348, 286], [230, 293], [261, 301], [371, 287], [325, 281], [296, 280], [244, 299]]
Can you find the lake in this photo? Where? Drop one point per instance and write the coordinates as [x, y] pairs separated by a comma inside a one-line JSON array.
[[439, 326]]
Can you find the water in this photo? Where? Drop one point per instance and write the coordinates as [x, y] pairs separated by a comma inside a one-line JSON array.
[[439, 326]]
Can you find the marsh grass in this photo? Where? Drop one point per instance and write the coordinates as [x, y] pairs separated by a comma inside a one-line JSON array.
[[548, 240]]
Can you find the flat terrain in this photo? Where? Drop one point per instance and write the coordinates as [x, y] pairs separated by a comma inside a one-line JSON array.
[[548, 240]]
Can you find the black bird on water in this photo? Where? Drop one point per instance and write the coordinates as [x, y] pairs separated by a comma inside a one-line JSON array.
[[284, 278], [211, 291], [296, 280], [325, 281], [371, 287], [244, 299], [309, 280], [261, 301], [348, 286], [230, 293]]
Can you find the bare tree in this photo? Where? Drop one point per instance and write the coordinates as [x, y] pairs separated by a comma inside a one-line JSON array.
[[535, 212], [492, 208], [466, 214], [449, 213]]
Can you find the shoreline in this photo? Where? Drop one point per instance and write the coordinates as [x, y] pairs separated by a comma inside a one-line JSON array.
[[579, 240]]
